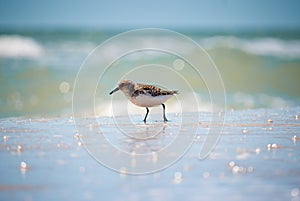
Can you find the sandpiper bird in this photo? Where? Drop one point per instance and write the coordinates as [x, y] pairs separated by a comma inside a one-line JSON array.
[[144, 95]]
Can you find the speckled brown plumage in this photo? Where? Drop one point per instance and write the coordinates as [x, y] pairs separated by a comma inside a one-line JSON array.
[[151, 90]]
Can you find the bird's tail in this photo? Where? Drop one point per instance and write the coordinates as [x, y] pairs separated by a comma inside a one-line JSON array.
[[175, 92]]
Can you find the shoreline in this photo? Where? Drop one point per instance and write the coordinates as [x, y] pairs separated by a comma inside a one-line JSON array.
[[256, 157]]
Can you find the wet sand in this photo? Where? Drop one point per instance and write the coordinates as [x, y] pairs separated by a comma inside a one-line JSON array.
[[256, 158]]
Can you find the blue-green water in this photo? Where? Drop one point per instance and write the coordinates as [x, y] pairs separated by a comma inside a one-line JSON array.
[[38, 69]]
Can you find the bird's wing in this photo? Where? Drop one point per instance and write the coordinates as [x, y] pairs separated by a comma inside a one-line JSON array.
[[151, 90]]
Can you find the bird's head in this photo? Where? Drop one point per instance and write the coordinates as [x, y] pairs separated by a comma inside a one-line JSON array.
[[126, 86]]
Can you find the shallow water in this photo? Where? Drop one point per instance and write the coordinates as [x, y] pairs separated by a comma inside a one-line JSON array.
[[256, 158]]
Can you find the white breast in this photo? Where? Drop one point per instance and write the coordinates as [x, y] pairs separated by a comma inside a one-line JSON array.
[[143, 100]]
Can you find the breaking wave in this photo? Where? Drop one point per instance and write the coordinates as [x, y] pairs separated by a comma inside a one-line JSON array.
[[15, 46], [266, 46]]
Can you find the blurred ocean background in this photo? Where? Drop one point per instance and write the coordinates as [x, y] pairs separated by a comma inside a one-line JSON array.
[[260, 69]]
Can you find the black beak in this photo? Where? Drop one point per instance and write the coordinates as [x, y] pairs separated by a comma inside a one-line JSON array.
[[113, 91]]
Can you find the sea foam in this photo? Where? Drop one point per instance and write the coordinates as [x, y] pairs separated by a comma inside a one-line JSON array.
[[16, 46]]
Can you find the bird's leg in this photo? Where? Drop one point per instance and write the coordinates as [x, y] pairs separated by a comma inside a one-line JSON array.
[[146, 115], [164, 112]]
